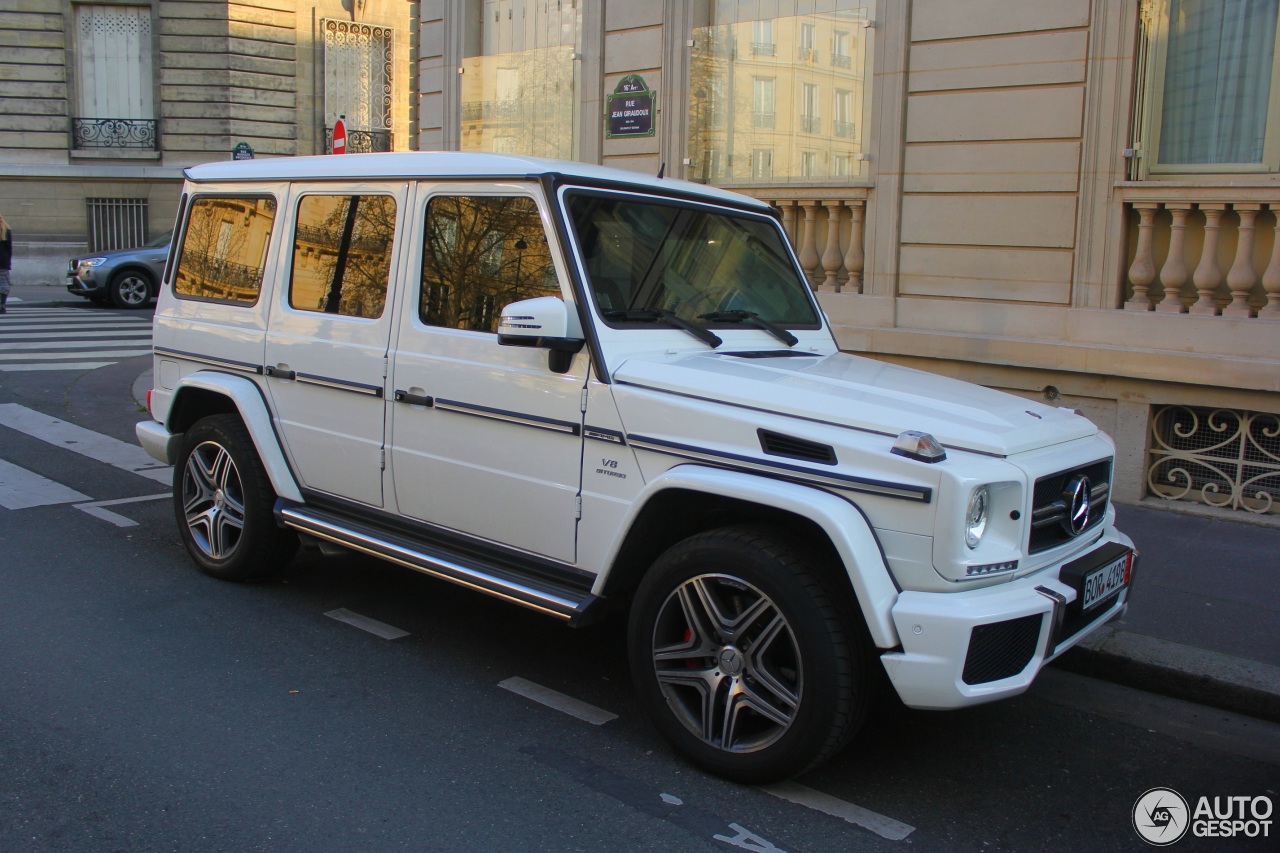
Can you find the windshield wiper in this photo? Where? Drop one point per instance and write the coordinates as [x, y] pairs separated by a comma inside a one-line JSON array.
[[662, 315], [751, 318]]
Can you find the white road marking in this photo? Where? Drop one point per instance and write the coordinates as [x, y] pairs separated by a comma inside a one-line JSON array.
[[748, 840], [558, 701], [18, 356], [364, 623], [32, 333], [39, 345], [96, 509], [64, 365], [86, 442], [885, 827], [21, 489]]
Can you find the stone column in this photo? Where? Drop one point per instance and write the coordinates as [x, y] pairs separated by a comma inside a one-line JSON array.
[[1208, 274], [832, 260], [854, 256], [809, 242], [1143, 269], [1271, 278], [1241, 278], [1174, 273]]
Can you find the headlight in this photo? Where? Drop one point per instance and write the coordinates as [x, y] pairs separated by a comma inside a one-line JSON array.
[[93, 262], [975, 517]]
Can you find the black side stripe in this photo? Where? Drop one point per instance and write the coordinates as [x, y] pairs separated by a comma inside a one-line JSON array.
[[242, 366], [795, 473], [340, 384], [535, 421]]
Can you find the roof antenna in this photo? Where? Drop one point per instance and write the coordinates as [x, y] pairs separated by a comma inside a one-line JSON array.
[[662, 168]]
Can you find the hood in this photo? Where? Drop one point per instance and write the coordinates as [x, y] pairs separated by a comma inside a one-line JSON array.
[[864, 394]]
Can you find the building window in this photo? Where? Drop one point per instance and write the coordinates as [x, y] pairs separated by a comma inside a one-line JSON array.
[[480, 255], [808, 163], [809, 121], [224, 247], [518, 76], [763, 115], [762, 164], [762, 43], [116, 223], [842, 114], [114, 86], [841, 166], [358, 63], [1207, 103], [342, 254], [743, 104]]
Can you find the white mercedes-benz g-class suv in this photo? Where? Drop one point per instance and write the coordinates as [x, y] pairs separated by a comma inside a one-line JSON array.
[[574, 388]]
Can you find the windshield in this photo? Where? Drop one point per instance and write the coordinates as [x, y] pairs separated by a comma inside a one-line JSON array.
[[697, 263]]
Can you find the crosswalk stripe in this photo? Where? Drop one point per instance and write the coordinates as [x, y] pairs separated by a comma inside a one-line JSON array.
[[113, 353], [65, 365], [69, 339], [77, 332], [34, 345], [86, 442], [22, 489]]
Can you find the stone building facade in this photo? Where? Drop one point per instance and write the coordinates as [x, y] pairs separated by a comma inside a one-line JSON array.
[[1073, 200]]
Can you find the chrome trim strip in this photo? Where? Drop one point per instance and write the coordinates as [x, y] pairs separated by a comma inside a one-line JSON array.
[[553, 605], [534, 421], [339, 384], [904, 491], [606, 435], [242, 366]]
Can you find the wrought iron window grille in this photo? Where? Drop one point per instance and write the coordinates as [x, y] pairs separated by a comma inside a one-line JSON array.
[[130, 133]]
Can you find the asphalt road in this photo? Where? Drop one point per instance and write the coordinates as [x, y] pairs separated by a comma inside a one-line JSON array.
[[145, 706]]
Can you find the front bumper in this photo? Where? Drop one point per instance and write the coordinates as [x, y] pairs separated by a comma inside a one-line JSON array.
[[966, 648], [82, 286]]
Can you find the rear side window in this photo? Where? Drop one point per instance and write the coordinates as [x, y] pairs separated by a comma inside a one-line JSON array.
[[224, 248], [481, 253], [342, 254]]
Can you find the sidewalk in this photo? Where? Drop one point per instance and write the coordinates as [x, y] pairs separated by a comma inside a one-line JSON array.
[[1204, 623]]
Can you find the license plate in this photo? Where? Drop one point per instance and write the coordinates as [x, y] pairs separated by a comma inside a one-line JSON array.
[[1102, 583]]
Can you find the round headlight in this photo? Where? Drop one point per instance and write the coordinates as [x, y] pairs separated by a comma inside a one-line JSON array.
[[975, 517]]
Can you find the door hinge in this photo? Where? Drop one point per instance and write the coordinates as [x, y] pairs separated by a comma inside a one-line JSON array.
[[382, 458], [579, 512], [582, 400]]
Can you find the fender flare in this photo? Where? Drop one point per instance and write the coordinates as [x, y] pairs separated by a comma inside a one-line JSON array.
[[840, 519], [247, 397]]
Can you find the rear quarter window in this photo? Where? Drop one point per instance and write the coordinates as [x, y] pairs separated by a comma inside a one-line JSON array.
[[224, 248]]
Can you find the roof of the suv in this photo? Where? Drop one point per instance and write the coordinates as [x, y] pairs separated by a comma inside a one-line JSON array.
[[446, 164]]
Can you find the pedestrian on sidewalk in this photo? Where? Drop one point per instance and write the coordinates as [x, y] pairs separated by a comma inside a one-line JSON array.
[[6, 261]]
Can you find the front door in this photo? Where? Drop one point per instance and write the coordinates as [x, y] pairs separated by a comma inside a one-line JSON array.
[[326, 355], [485, 439]]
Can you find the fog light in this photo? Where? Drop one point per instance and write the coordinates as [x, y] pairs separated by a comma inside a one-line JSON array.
[[991, 568]]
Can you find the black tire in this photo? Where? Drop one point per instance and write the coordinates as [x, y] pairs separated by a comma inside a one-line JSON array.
[[795, 671], [224, 503], [130, 289]]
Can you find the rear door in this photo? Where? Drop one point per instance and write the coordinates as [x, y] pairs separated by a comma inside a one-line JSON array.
[[485, 439], [326, 346]]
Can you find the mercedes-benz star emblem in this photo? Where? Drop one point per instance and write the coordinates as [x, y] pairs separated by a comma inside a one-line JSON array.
[[1076, 497]]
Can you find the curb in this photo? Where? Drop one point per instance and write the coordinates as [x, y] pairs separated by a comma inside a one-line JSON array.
[[1184, 672]]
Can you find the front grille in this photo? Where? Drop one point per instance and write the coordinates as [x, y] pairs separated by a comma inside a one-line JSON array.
[[1050, 508], [1001, 649]]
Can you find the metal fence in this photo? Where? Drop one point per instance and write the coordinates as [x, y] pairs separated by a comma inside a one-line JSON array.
[[116, 223]]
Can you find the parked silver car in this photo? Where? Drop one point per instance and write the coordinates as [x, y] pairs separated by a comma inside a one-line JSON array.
[[127, 278]]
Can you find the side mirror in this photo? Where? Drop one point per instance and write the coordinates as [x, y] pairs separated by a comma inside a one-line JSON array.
[[543, 322]]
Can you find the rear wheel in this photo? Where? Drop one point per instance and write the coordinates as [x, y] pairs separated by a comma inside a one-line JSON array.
[[130, 289], [742, 659], [223, 502]]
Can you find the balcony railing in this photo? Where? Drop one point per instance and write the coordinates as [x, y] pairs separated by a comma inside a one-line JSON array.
[[763, 48], [842, 129], [807, 55], [810, 124], [1212, 252], [828, 218], [360, 141], [841, 60], [129, 133], [763, 121]]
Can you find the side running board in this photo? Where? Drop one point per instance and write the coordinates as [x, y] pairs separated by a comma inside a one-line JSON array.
[[546, 596]]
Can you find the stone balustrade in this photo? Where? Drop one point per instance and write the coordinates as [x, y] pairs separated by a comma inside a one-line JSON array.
[[1207, 252], [832, 257]]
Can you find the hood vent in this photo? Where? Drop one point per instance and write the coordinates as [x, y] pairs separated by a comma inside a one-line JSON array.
[[777, 444]]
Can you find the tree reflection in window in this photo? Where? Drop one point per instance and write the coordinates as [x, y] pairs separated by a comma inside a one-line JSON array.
[[342, 254], [224, 247], [480, 254]]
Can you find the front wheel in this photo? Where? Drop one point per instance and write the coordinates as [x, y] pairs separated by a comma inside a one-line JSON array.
[[742, 659], [223, 502], [130, 289]]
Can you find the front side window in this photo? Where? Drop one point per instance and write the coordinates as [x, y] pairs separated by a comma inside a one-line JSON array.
[[481, 253], [645, 254], [342, 254], [224, 247], [1210, 103]]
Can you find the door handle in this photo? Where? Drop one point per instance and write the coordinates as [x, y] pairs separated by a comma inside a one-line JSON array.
[[413, 399], [279, 373]]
